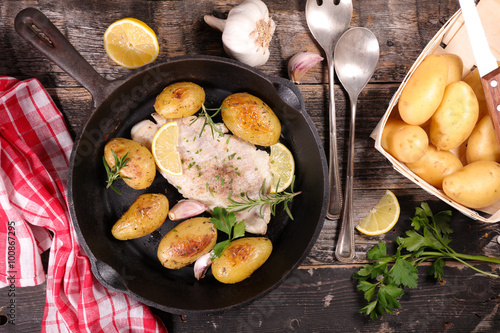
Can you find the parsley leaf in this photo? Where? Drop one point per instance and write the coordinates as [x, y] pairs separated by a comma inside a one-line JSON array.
[[226, 222]]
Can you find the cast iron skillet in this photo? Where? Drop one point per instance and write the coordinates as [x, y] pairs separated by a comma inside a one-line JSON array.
[[132, 266]]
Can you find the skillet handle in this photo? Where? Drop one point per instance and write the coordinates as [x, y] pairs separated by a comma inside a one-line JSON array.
[[109, 277], [39, 31], [288, 92]]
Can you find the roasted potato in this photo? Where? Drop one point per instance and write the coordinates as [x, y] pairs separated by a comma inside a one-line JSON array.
[[179, 100], [145, 215], [407, 143], [186, 242], [241, 258], [249, 118], [455, 118], [141, 168], [476, 185], [424, 90], [482, 144], [435, 165]]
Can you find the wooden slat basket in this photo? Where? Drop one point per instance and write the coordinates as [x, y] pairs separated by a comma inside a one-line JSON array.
[[451, 38]]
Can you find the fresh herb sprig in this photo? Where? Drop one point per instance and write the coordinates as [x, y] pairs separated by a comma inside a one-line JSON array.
[[244, 202], [209, 120], [382, 284], [114, 172], [226, 222]]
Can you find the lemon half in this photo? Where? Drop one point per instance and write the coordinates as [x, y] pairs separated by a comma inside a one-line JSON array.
[[382, 217], [131, 43]]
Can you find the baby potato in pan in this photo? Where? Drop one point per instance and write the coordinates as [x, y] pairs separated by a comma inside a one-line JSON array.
[[241, 258], [179, 100], [249, 118], [186, 242], [141, 168], [145, 215]]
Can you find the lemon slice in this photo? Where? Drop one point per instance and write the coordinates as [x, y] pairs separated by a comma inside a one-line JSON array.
[[164, 150], [131, 43], [382, 217], [282, 167]]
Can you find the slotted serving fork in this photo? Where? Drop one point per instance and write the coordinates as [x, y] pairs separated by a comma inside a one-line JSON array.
[[328, 20]]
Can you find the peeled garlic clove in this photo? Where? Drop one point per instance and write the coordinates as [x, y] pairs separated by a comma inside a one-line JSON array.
[[300, 63], [247, 32], [185, 209], [202, 264]]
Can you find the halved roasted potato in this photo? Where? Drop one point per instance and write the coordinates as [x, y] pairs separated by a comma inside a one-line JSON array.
[[179, 100], [249, 118], [241, 258], [141, 168], [145, 215], [186, 242]]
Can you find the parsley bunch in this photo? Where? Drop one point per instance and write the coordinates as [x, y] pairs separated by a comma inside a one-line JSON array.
[[382, 284]]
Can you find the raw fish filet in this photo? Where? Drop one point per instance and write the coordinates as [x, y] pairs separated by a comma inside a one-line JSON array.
[[215, 166]]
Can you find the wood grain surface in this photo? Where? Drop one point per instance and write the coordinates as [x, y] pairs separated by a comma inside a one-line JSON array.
[[320, 296]]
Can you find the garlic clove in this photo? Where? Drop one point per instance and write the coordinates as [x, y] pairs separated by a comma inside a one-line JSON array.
[[300, 63], [247, 32], [202, 264], [185, 209]]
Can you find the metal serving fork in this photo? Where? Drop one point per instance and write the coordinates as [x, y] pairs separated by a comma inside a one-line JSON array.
[[327, 22]]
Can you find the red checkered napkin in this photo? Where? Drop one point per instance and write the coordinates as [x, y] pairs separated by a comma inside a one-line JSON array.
[[34, 153]]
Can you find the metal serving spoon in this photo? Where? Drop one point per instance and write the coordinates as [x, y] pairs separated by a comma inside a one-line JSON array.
[[327, 22], [356, 57]]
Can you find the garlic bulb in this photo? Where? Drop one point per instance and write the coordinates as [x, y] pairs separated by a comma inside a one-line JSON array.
[[300, 63], [247, 32]]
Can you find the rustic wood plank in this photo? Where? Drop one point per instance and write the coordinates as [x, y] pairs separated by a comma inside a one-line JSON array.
[[319, 296]]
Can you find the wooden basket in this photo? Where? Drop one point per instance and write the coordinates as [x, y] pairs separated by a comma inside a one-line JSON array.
[[451, 38]]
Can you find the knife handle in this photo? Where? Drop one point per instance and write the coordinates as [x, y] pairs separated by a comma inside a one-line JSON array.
[[491, 87]]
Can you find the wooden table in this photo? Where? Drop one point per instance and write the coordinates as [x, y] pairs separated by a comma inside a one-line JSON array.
[[320, 296]]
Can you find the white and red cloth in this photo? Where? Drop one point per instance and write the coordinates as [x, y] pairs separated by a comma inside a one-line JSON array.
[[34, 155]]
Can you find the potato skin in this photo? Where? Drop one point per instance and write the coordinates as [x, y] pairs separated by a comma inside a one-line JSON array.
[[243, 257], [435, 165], [249, 118], [482, 144], [146, 214], [424, 90], [455, 67], [186, 242], [179, 100], [141, 168], [455, 118], [476, 185], [407, 143]]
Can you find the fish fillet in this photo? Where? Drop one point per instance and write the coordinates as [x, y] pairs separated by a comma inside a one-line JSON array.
[[215, 166]]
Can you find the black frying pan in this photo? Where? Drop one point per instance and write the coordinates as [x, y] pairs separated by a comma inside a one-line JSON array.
[[132, 266]]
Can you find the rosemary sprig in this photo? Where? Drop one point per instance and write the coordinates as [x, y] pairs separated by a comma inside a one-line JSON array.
[[244, 202], [209, 120], [114, 172]]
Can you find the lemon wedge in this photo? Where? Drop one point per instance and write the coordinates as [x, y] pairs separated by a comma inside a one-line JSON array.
[[382, 217], [131, 43], [282, 167], [164, 149]]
